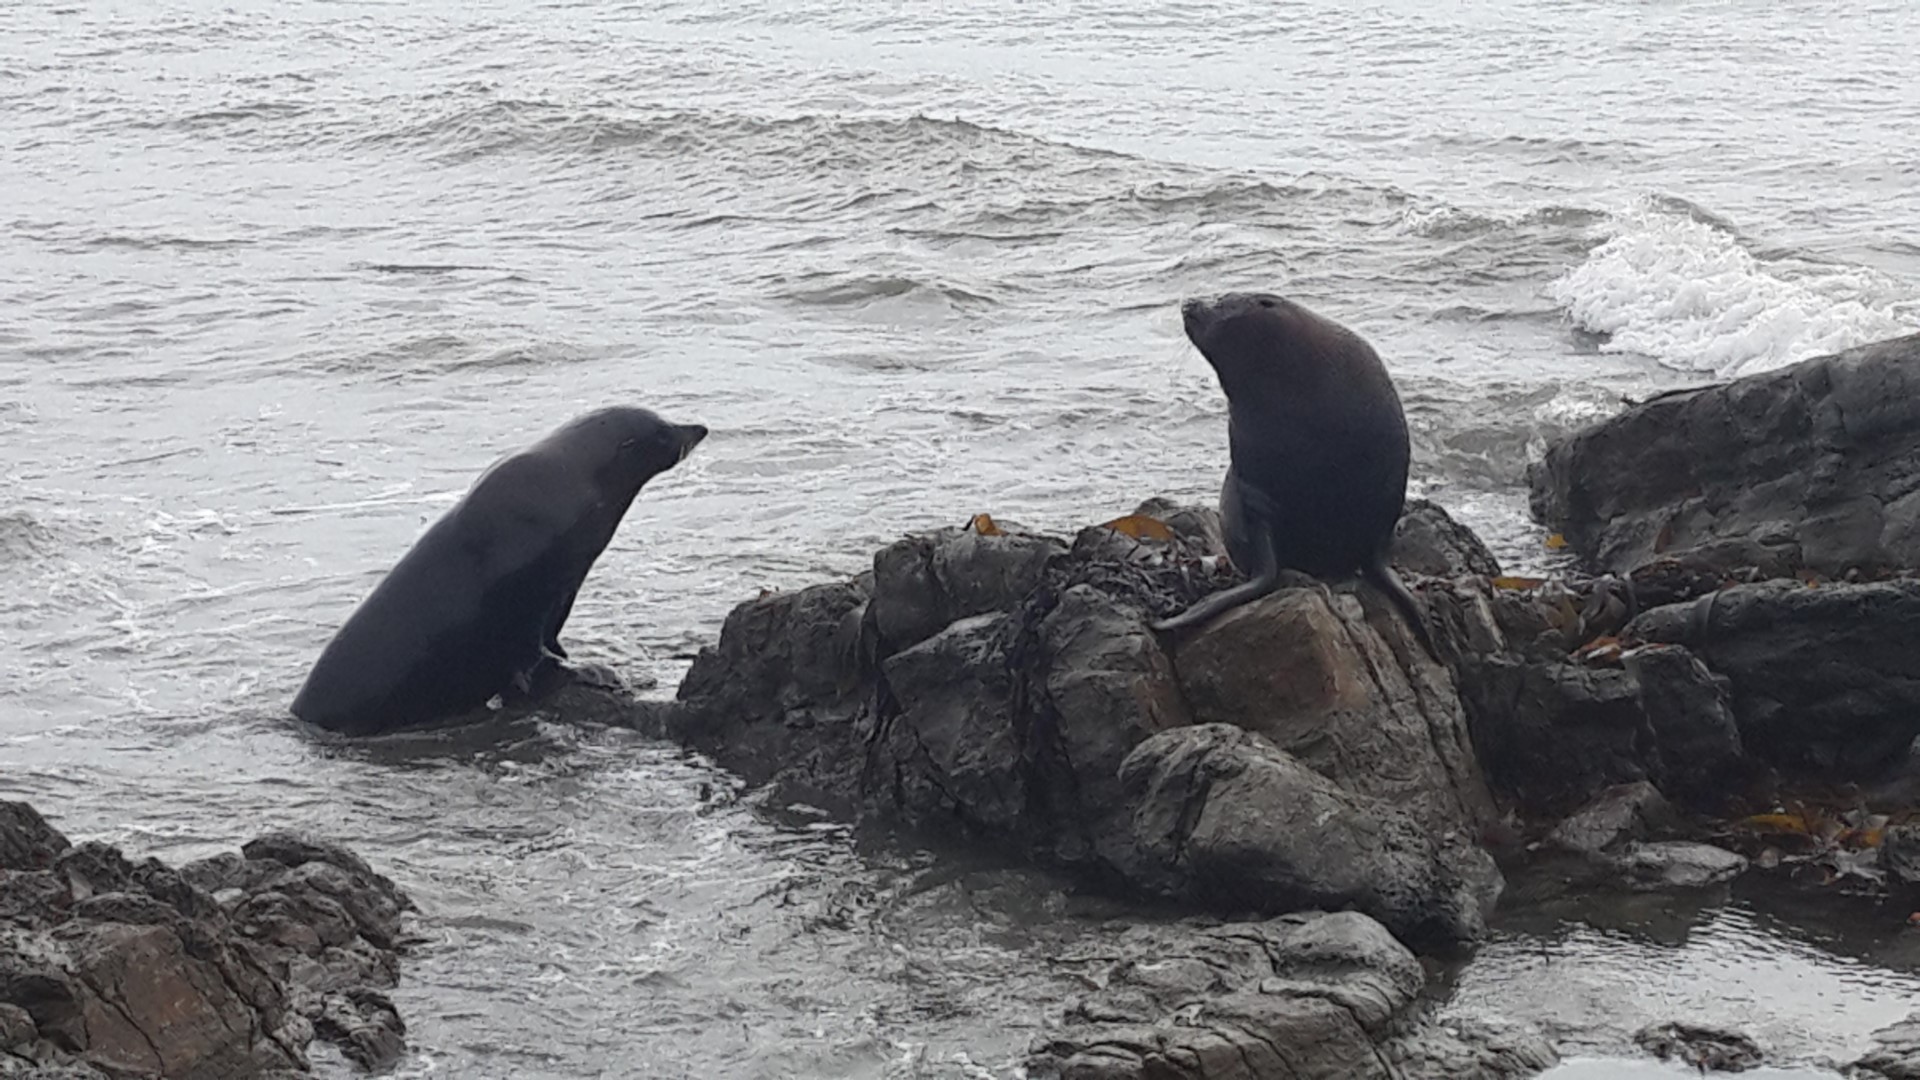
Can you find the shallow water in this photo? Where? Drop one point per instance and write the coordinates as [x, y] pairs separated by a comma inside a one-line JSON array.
[[275, 284]]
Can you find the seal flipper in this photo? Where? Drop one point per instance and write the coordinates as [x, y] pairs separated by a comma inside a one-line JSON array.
[[1264, 581], [1383, 578], [537, 680], [557, 620]]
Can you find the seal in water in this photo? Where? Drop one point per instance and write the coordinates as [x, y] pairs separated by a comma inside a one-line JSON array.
[[1318, 450], [475, 608]]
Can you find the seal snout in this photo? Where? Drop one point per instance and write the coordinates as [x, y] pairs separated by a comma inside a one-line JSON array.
[[1195, 314], [690, 437]]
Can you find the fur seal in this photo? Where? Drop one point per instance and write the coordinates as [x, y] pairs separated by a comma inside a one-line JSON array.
[[475, 607], [1317, 446]]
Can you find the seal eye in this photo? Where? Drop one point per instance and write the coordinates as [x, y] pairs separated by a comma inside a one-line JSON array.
[[1265, 303]]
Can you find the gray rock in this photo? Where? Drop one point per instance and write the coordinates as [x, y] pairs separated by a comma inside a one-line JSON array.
[[1471, 1049], [1237, 823], [1708, 1049], [1429, 541], [1900, 854], [784, 698], [1109, 686], [1616, 816], [1308, 669], [27, 842], [1305, 995], [922, 584], [1897, 1055], [996, 683], [953, 750], [1553, 733], [1816, 465], [136, 969], [1678, 864], [1822, 681]]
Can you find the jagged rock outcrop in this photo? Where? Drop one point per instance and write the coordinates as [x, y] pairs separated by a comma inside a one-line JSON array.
[[994, 682], [1812, 466], [227, 967]]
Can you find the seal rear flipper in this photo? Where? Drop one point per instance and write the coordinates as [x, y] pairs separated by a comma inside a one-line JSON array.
[[1383, 577]]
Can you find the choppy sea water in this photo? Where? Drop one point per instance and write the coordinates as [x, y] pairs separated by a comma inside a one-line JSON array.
[[277, 281]]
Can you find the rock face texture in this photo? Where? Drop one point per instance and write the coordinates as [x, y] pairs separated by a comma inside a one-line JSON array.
[[1303, 995], [227, 967], [1813, 466], [1006, 686]]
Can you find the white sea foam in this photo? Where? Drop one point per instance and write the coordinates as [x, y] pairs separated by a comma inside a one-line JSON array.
[[1692, 297]]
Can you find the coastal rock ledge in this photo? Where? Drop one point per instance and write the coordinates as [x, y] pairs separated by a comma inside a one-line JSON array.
[[227, 967], [992, 685]]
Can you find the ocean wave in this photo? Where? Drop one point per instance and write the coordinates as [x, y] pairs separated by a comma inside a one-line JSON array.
[[506, 125], [851, 290], [1678, 285]]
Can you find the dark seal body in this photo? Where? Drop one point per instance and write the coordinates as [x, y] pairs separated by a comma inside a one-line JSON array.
[[475, 607], [1318, 448]]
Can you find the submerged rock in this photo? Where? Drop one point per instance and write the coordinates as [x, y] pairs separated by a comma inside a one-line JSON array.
[[225, 967], [1813, 466], [1708, 1049], [1678, 864], [1303, 995], [1897, 1055]]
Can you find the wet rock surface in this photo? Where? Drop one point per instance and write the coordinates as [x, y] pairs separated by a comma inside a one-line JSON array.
[[1303, 995], [1821, 680], [1707, 1049], [1811, 466], [997, 683], [225, 967], [1896, 1055]]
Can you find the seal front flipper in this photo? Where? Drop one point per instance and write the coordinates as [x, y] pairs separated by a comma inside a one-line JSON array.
[[1265, 581], [558, 620]]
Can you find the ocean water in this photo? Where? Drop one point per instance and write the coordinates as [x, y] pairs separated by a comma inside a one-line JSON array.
[[278, 280]]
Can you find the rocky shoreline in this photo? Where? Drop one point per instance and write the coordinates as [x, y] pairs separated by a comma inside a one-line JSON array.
[[231, 966], [1729, 685]]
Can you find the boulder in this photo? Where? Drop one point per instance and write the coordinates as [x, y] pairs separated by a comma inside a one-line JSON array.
[[1303, 995], [1617, 816], [1554, 734], [1347, 691], [1230, 819], [1813, 466], [1429, 541], [226, 967], [1821, 681], [992, 682]]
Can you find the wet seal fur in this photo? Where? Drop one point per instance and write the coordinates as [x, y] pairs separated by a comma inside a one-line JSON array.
[[475, 607], [1318, 451]]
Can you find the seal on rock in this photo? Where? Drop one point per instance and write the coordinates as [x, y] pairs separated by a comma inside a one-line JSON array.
[[1317, 446], [475, 607]]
